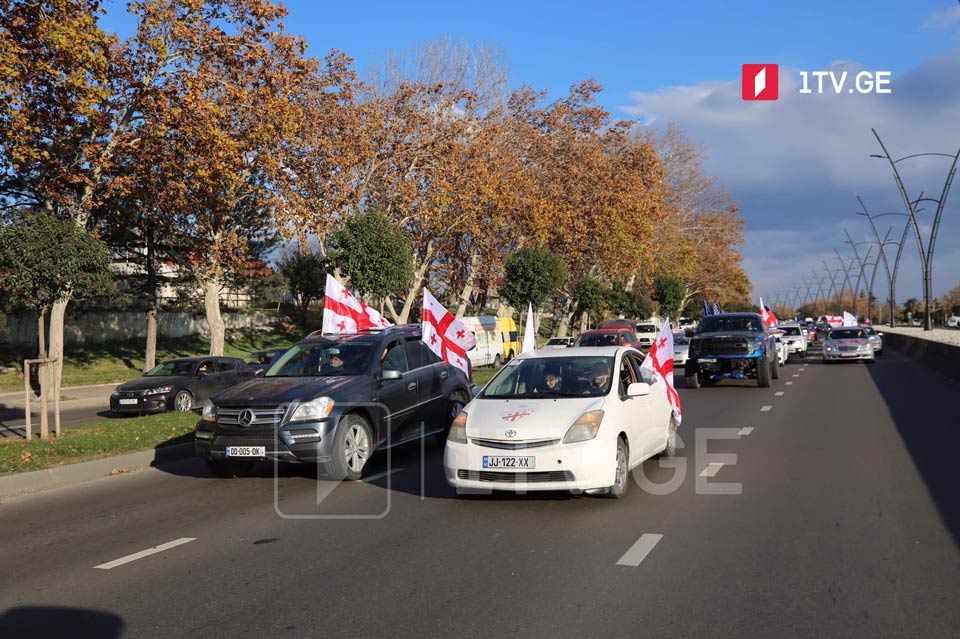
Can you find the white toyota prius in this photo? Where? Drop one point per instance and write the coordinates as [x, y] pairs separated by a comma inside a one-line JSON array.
[[573, 419]]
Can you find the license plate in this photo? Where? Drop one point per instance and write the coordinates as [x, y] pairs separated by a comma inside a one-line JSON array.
[[127, 402], [246, 451], [708, 360], [523, 463], [849, 354]]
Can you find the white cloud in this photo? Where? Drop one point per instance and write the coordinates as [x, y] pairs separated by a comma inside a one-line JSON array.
[[794, 165], [943, 18]]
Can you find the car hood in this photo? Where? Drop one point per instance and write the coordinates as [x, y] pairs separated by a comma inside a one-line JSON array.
[[283, 390], [530, 418], [146, 383], [746, 334]]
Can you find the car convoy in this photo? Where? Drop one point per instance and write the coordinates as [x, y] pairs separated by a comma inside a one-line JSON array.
[[571, 415]]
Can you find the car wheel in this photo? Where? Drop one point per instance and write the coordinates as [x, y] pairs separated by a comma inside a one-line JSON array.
[[670, 450], [775, 369], [352, 448], [497, 360], [226, 468], [693, 381], [183, 402], [763, 372], [454, 405], [621, 476]]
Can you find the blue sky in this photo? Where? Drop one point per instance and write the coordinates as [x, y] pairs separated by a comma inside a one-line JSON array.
[[793, 165]]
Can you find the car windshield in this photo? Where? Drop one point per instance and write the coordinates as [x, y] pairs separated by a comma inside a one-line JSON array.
[[173, 368], [679, 339], [545, 377], [322, 358], [847, 333], [260, 358], [646, 328], [725, 323], [597, 339], [790, 330], [557, 341]]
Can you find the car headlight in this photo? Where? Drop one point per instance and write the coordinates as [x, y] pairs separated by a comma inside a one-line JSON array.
[[585, 428], [458, 429], [866, 347], [115, 393], [159, 390], [209, 413], [312, 410], [755, 346], [830, 348]]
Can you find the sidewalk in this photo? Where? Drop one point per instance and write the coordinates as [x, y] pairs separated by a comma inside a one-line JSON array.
[[941, 335], [65, 391]]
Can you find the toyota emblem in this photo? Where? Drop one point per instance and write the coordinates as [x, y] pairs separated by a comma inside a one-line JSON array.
[[511, 433], [246, 417]]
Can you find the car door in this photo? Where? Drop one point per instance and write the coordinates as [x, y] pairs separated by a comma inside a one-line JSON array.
[[207, 383], [651, 417], [399, 396], [423, 371]]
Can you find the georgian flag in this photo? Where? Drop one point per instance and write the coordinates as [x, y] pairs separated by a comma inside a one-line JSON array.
[[659, 362], [344, 313], [769, 319], [849, 319], [444, 334]]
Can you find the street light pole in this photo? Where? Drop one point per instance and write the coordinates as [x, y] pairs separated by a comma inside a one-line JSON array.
[[926, 255], [846, 275]]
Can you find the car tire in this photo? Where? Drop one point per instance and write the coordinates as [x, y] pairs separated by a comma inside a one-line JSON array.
[[352, 449], [621, 477], [497, 361], [774, 370], [670, 450], [227, 469], [183, 402], [764, 372], [693, 381], [454, 405]]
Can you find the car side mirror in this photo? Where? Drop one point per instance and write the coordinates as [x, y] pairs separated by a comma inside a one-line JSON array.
[[390, 374], [689, 332], [638, 389]]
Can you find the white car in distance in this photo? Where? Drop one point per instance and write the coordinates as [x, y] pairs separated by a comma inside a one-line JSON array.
[[578, 420]]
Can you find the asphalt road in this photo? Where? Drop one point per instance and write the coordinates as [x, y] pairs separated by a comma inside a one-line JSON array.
[[846, 525], [78, 406]]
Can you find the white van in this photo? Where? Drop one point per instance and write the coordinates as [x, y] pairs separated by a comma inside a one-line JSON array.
[[489, 350]]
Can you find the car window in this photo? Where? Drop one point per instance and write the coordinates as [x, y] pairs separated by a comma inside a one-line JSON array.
[[394, 358], [206, 367], [174, 368], [318, 358], [579, 377], [631, 337], [642, 374], [627, 375], [226, 365], [597, 339], [417, 353]]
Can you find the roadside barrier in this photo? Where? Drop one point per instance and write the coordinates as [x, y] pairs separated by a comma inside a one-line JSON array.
[[943, 358]]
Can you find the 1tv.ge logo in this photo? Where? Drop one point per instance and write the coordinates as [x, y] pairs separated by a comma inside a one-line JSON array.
[[762, 82]]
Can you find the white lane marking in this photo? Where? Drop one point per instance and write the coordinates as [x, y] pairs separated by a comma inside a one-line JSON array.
[[145, 553], [788, 383], [746, 430], [778, 394], [766, 409], [801, 369], [639, 551], [712, 469], [382, 475], [796, 374]]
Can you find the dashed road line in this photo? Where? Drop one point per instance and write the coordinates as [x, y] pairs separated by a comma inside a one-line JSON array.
[[766, 409], [145, 553], [639, 550], [796, 374], [712, 469], [746, 430], [788, 383], [778, 394]]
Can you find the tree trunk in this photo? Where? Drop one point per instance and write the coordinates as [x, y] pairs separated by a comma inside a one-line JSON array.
[[55, 351], [414, 289], [468, 284], [211, 303], [41, 353], [150, 354], [537, 317], [562, 327], [584, 321]]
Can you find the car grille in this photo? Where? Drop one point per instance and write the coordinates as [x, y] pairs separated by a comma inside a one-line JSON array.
[[261, 439], [130, 394], [514, 478], [724, 346], [262, 416], [504, 445], [848, 349]]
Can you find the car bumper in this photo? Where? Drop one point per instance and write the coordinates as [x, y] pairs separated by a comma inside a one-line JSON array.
[[796, 347], [144, 405], [581, 466], [308, 442], [848, 356]]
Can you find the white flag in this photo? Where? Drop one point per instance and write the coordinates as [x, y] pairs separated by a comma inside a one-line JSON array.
[[659, 362], [344, 313], [529, 338], [849, 319], [446, 335]]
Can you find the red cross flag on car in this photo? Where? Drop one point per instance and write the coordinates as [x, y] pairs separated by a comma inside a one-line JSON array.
[[344, 313], [769, 319], [445, 335], [659, 361]]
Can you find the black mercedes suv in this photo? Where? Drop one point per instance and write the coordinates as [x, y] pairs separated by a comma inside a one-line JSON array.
[[334, 400]]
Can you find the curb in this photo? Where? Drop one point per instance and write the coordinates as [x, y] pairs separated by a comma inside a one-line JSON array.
[[72, 474], [19, 393]]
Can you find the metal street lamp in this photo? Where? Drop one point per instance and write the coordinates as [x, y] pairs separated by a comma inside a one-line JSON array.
[[861, 262], [926, 253]]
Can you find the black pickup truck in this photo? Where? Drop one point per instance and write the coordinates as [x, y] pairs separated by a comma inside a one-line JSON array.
[[735, 345]]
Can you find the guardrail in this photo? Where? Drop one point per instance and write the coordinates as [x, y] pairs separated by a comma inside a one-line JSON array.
[[943, 358]]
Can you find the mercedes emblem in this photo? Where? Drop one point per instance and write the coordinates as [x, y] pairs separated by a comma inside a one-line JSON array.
[[246, 417]]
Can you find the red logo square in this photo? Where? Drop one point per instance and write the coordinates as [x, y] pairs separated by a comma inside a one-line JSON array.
[[760, 82]]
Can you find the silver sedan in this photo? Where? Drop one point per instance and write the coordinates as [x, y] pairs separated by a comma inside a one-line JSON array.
[[848, 342]]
